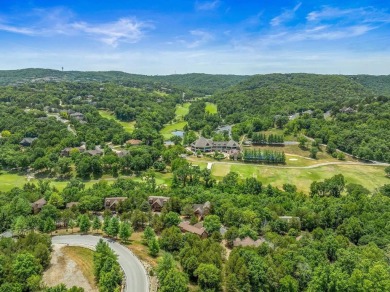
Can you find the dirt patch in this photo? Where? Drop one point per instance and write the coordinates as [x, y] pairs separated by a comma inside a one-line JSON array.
[[62, 269]]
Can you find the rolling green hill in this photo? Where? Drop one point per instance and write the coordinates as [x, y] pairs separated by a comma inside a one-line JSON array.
[[193, 84], [284, 94]]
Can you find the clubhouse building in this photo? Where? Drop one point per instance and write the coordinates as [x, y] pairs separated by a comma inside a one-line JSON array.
[[208, 145]]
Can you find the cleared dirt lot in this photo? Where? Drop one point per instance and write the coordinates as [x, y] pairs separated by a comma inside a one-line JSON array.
[[70, 267]]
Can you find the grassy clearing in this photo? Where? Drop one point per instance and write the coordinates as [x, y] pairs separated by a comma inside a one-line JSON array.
[[169, 128], [83, 257], [182, 110], [128, 126], [370, 177], [161, 178], [177, 124], [295, 150], [211, 108], [280, 132], [9, 181]]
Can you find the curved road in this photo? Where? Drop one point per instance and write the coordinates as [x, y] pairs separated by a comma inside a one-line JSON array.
[[136, 278]]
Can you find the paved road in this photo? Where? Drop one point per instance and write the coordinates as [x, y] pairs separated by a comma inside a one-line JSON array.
[[136, 278]]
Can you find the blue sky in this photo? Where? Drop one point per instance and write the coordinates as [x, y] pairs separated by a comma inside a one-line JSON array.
[[182, 36]]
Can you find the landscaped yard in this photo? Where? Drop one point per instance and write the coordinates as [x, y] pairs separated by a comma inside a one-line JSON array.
[[128, 126], [370, 177], [211, 108]]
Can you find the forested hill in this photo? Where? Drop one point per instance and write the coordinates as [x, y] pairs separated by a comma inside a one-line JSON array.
[[285, 94], [356, 107], [193, 84], [202, 83], [8, 77], [378, 84]]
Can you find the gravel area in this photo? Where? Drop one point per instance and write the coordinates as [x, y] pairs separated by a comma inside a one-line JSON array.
[[64, 270]]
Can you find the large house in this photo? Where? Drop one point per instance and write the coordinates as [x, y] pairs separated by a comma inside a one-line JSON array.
[[208, 145], [157, 202], [77, 116], [195, 229], [66, 151], [38, 205], [27, 141], [201, 210], [289, 219], [134, 142], [96, 152], [113, 202], [247, 241]]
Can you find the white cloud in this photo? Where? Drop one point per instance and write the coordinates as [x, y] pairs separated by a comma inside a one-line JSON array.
[[330, 33], [198, 38], [123, 30], [60, 21], [19, 30], [285, 16], [361, 14], [208, 5]]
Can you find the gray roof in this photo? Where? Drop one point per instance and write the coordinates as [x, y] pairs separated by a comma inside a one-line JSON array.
[[201, 207], [232, 143], [27, 140], [203, 142]]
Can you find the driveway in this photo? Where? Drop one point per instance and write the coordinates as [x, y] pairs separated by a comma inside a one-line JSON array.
[[135, 274]]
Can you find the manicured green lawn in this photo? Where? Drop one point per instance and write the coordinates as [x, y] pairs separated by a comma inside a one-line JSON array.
[[128, 126], [9, 181], [370, 177], [169, 128], [182, 110], [211, 108], [178, 123]]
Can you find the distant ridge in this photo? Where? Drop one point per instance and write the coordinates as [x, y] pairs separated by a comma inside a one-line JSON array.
[[199, 83]]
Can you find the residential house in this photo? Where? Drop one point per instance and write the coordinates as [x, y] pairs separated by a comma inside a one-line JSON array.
[[66, 151], [133, 142], [185, 226], [38, 205], [70, 205], [347, 110], [289, 219], [121, 153], [201, 210], [157, 202], [113, 202], [208, 145], [27, 141], [96, 152], [78, 116], [247, 241]]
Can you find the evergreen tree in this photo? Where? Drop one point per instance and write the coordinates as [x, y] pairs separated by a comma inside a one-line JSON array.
[[113, 227], [125, 231], [84, 223]]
